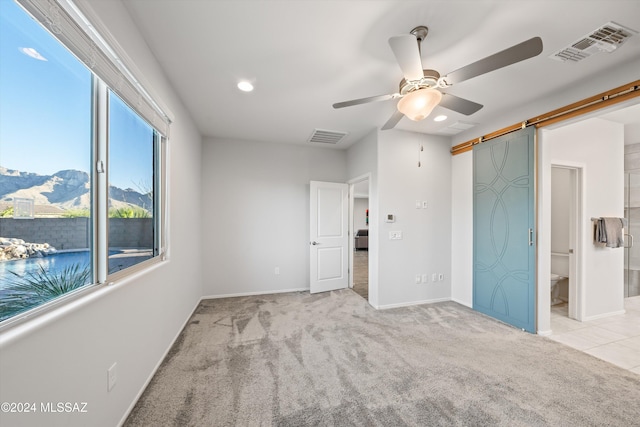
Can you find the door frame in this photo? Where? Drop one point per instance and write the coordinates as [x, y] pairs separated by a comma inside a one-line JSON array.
[[352, 183], [576, 218]]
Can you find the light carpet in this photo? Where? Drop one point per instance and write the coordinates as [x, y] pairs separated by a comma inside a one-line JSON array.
[[331, 360]]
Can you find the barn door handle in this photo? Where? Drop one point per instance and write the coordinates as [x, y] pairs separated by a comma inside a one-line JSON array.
[[531, 237]]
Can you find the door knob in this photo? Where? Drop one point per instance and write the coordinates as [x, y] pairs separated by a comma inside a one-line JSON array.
[[314, 243]]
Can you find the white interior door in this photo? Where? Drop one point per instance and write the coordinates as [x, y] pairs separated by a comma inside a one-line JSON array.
[[328, 236]]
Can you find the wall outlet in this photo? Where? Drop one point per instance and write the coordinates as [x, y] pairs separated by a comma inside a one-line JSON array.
[[417, 278], [434, 277], [425, 278], [440, 276], [112, 376], [425, 204]]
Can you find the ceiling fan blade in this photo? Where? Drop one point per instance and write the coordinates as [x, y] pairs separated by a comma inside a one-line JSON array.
[[459, 105], [520, 52], [405, 48], [365, 100], [393, 120]]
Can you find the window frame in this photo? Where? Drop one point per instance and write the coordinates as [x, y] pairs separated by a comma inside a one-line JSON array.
[[99, 241]]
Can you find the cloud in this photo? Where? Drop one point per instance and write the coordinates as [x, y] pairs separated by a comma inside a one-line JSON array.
[[29, 51]]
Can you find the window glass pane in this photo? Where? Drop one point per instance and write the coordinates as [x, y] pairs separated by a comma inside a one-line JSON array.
[[131, 187], [45, 157]]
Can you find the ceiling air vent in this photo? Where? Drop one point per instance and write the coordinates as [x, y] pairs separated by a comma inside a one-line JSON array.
[[322, 136], [457, 127], [607, 38]]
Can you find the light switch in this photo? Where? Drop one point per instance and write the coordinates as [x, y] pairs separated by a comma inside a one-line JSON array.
[[425, 204]]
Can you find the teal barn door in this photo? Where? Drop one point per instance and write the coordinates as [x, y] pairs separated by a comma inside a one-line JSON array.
[[503, 229]]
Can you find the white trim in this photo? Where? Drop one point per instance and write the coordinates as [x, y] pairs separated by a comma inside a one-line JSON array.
[[410, 303], [456, 300], [603, 315], [248, 294], [545, 333], [157, 366]]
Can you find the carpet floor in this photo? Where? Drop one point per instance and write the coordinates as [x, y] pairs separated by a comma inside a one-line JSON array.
[[330, 359]]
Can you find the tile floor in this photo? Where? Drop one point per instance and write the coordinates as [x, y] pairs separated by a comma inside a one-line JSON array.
[[615, 339]]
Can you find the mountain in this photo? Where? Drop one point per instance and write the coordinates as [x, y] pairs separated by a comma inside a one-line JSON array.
[[66, 189]]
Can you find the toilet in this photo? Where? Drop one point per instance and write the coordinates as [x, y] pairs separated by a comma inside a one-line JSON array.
[[555, 289]]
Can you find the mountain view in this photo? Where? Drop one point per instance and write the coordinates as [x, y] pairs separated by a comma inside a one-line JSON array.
[[66, 190]]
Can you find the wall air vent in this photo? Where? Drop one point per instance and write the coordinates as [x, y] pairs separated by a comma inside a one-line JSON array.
[[607, 38], [322, 136]]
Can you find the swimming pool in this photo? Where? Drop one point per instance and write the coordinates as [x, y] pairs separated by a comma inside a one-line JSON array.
[[53, 264]]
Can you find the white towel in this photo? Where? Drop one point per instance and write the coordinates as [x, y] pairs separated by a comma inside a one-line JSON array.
[[613, 235]]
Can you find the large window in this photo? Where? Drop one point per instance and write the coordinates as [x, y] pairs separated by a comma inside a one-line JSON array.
[[80, 174]]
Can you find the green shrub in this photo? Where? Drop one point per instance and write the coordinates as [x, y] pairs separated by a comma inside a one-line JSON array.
[[129, 212], [37, 287]]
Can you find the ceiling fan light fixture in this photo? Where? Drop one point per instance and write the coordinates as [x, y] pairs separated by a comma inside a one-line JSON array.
[[417, 105]]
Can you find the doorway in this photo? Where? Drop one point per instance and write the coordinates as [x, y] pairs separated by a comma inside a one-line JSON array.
[[359, 225], [565, 284]]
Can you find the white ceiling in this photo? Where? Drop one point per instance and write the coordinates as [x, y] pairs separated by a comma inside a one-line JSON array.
[[305, 55]]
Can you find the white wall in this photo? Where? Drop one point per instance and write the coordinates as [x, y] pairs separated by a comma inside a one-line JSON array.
[[256, 213], [597, 146], [362, 160], [360, 206], [426, 233], [63, 356]]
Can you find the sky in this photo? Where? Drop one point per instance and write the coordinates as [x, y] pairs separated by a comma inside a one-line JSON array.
[[45, 109]]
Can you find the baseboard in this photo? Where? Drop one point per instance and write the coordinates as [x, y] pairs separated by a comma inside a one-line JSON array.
[[248, 294], [462, 302], [155, 368], [545, 333], [603, 315], [410, 303]]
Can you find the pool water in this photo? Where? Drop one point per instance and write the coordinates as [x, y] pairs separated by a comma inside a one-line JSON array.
[[53, 264]]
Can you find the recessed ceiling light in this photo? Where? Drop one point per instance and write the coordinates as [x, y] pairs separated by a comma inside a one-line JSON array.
[[440, 118], [245, 86]]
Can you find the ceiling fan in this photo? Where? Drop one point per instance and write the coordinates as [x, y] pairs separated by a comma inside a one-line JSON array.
[[422, 89]]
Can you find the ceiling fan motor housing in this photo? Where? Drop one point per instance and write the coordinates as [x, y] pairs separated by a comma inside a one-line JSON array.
[[430, 80]]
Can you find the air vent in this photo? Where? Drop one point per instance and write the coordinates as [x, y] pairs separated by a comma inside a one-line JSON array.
[[322, 136], [457, 127], [607, 38]]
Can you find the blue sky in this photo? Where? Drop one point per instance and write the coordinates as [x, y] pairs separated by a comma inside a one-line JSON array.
[[45, 108]]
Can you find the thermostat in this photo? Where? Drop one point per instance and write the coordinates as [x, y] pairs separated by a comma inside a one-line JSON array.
[[391, 218]]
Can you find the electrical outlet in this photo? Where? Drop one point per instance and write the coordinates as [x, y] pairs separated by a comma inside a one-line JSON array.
[[440, 276], [417, 278], [434, 277], [425, 278], [112, 376], [425, 204]]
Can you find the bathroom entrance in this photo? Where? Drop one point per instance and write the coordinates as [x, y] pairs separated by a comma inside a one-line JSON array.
[[565, 218]]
